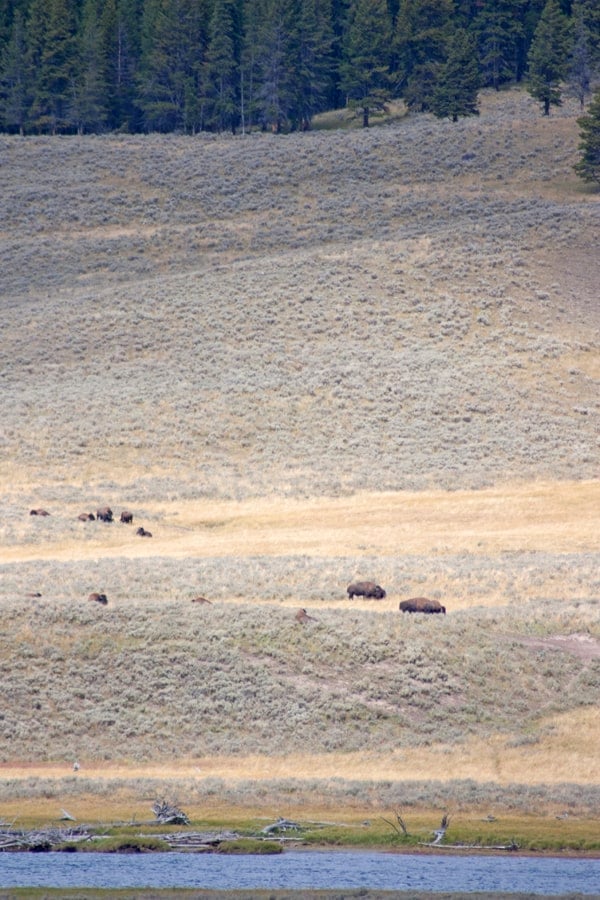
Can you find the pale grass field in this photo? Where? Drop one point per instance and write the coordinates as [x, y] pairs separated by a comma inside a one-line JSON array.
[[540, 516], [568, 753], [325, 357]]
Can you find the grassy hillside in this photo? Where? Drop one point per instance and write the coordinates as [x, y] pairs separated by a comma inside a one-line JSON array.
[[301, 360]]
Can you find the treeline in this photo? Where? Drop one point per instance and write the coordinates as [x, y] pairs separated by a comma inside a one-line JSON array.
[[80, 66]]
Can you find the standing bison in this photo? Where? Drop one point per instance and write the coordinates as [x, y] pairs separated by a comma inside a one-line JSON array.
[[422, 605], [126, 517], [105, 514], [367, 589]]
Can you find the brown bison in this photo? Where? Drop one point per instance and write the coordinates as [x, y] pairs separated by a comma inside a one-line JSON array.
[[33, 594], [105, 514], [126, 517], [86, 517], [200, 600], [39, 512], [422, 605], [142, 532], [98, 598], [367, 589], [303, 617]]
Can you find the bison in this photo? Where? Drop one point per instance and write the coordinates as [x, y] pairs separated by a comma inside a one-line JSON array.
[[98, 598], [302, 616], [367, 589], [142, 532], [421, 604], [86, 517], [105, 514], [126, 517], [200, 600], [39, 512]]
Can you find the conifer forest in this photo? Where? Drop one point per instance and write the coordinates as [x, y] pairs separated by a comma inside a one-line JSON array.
[[135, 66]]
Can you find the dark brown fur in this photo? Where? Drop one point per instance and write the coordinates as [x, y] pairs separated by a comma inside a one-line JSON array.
[[126, 517], [142, 532], [367, 589], [39, 512], [422, 605], [98, 598], [105, 514], [86, 517]]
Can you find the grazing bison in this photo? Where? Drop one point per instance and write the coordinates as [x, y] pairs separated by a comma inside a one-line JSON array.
[[142, 532], [303, 617], [126, 517], [422, 605], [39, 512], [98, 598], [367, 589], [86, 517], [105, 514], [200, 600]]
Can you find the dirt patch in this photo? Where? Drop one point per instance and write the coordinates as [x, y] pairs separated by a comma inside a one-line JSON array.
[[583, 646]]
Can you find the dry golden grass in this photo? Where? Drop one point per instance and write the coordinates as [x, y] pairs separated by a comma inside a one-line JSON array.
[[540, 516]]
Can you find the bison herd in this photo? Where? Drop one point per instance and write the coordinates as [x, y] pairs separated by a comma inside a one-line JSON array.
[[104, 514], [370, 590]]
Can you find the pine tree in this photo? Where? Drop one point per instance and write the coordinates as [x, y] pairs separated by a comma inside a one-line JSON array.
[[582, 67], [89, 107], [422, 36], [273, 90], [365, 67], [221, 68], [548, 56], [456, 90], [13, 79], [54, 65], [499, 29], [588, 167], [312, 58], [121, 26]]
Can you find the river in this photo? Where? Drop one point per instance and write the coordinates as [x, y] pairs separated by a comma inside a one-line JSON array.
[[304, 869]]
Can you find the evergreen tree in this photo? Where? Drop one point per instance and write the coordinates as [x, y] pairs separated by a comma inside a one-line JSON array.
[[312, 48], [423, 33], [13, 79], [221, 68], [121, 25], [588, 167], [174, 38], [456, 90], [548, 56], [273, 93], [89, 107], [53, 64], [582, 67], [499, 30], [365, 67]]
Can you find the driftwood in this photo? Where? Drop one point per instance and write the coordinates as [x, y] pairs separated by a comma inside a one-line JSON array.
[[198, 841], [168, 814], [280, 825], [42, 839]]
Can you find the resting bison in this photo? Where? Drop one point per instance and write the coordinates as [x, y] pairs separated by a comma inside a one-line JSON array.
[[421, 604], [39, 512], [303, 617], [98, 598], [126, 517], [105, 514], [200, 600], [367, 589], [86, 517], [142, 532]]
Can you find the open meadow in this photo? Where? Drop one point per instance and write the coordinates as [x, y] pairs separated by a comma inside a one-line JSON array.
[[302, 360]]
